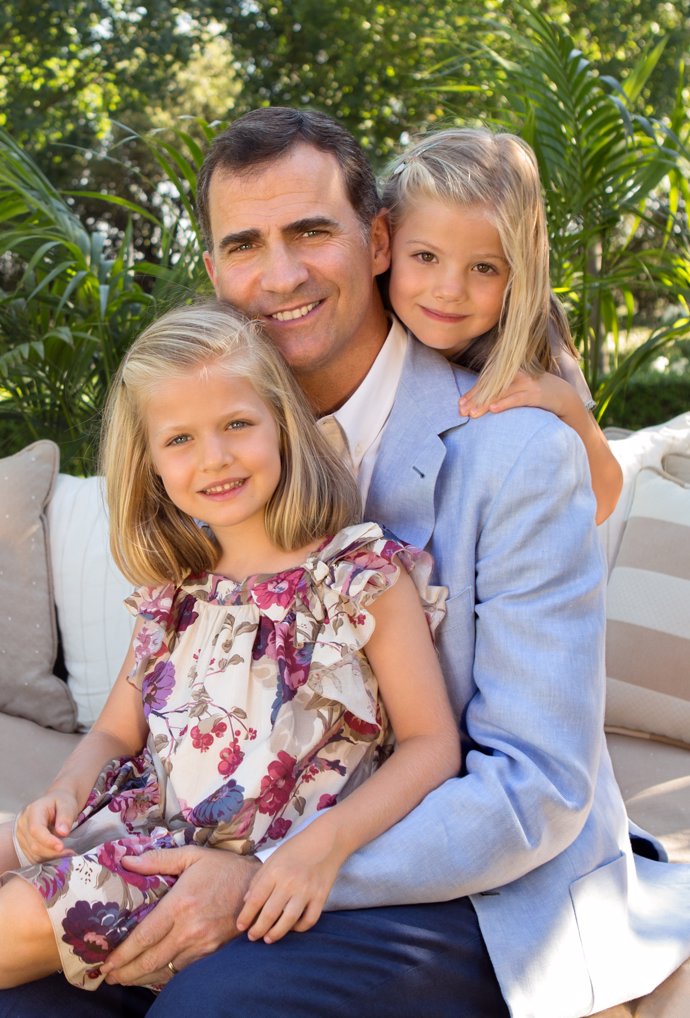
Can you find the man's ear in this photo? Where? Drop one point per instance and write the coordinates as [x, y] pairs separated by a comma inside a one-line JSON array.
[[380, 242], [210, 267]]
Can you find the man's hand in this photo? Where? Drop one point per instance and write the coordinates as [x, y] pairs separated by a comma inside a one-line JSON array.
[[192, 920]]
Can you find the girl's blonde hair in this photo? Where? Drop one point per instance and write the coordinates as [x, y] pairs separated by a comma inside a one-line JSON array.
[[150, 538], [476, 167]]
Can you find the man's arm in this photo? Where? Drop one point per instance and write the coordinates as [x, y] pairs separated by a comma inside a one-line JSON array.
[[536, 715]]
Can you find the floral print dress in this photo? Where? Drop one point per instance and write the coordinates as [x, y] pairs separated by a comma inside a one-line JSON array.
[[262, 709]]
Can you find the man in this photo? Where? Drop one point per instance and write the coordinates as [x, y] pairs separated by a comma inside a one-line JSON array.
[[512, 888]]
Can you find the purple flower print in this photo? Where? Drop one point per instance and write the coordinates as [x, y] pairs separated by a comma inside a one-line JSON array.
[[52, 877], [137, 797], [186, 614], [157, 687], [265, 640], [219, 807], [93, 929]]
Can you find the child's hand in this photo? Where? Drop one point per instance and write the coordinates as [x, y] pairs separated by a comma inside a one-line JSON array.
[[43, 823], [290, 889], [547, 391]]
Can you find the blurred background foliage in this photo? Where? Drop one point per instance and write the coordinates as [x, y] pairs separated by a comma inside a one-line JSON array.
[[106, 109]]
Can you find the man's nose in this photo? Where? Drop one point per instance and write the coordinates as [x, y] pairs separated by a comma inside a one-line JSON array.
[[283, 270]]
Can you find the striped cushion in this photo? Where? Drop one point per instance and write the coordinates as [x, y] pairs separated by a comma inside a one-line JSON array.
[[648, 612]]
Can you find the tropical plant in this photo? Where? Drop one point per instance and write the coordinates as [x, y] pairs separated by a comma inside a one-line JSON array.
[[76, 299], [614, 186]]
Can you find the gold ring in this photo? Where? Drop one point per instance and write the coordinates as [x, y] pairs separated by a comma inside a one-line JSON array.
[[172, 968]]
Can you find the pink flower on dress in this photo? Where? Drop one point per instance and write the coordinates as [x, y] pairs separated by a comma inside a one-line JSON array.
[[201, 740], [157, 604], [278, 784], [362, 727], [326, 801], [230, 759], [278, 829], [147, 642], [278, 591], [134, 802], [112, 853]]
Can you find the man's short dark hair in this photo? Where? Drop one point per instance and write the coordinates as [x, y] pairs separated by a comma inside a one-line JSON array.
[[264, 135]]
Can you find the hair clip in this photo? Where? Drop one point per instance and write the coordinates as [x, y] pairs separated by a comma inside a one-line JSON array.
[[399, 168]]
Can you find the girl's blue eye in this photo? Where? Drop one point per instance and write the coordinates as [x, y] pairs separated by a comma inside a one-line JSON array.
[[178, 440], [236, 425]]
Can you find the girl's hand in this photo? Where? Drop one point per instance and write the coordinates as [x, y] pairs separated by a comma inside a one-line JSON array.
[[43, 823], [290, 889], [547, 391]]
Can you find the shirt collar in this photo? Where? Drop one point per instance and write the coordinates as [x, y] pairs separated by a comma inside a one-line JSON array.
[[365, 413]]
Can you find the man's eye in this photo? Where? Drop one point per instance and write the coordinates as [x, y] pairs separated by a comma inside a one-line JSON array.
[[315, 233]]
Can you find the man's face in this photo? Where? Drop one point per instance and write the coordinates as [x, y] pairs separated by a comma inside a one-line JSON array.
[[289, 250]]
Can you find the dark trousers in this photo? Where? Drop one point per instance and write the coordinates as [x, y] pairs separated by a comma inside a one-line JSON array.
[[408, 961]]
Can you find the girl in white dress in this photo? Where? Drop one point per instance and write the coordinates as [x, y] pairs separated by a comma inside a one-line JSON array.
[[279, 649]]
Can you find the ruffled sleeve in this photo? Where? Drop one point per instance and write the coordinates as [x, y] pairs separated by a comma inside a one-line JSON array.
[[349, 574], [153, 607]]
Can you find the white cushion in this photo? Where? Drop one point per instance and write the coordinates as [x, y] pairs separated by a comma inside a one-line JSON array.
[[94, 625]]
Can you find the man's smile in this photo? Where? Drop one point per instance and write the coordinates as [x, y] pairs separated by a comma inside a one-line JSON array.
[[293, 313]]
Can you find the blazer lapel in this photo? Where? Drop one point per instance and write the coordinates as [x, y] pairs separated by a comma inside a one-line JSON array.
[[401, 493]]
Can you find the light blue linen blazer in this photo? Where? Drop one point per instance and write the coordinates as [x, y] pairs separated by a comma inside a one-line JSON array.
[[535, 829]]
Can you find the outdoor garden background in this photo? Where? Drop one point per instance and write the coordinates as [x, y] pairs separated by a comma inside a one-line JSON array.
[[106, 107]]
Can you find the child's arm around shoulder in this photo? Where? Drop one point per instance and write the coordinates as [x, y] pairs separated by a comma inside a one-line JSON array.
[[291, 888], [549, 392], [119, 730]]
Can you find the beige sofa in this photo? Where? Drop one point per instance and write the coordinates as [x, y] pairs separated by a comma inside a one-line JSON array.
[[56, 575]]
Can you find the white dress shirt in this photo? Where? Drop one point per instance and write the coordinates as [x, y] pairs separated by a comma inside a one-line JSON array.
[[363, 417]]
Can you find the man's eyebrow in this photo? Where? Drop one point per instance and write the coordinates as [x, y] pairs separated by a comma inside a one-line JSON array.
[[241, 237], [310, 223]]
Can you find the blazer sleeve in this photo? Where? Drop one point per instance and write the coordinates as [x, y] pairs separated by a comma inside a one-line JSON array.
[[534, 719]]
